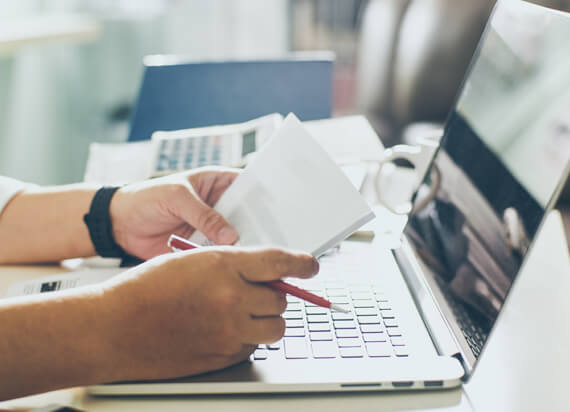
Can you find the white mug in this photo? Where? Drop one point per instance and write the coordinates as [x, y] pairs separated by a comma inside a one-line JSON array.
[[395, 185]]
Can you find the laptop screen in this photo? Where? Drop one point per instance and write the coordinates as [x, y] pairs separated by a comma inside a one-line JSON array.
[[505, 150]]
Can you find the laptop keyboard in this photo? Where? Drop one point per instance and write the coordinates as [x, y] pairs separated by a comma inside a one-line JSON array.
[[370, 330], [473, 325]]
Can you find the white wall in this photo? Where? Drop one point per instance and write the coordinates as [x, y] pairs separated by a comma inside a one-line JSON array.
[[55, 98]]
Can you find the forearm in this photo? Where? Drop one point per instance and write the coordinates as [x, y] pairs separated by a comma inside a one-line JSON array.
[[53, 341], [46, 224]]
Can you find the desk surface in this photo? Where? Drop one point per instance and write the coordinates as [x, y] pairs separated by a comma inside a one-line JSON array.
[[523, 368]]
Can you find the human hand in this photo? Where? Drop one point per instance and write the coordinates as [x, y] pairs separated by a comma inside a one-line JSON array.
[[145, 214], [195, 311]]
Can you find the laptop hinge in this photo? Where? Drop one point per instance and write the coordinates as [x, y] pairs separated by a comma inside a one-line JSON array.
[[464, 365], [438, 327]]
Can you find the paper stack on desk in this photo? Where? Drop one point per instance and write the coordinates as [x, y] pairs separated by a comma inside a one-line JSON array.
[[292, 195]]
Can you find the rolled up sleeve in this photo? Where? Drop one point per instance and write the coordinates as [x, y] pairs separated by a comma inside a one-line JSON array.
[[9, 188]]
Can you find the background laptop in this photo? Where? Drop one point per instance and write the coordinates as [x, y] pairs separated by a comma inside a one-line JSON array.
[[422, 313], [178, 94]]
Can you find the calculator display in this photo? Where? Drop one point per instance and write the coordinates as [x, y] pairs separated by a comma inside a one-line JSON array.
[[248, 145]]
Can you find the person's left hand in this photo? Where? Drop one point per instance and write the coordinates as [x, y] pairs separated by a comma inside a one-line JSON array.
[[145, 214]]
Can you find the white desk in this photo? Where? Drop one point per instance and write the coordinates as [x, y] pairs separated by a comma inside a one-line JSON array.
[[522, 369]]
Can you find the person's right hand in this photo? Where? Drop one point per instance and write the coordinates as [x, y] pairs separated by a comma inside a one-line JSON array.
[[190, 312]]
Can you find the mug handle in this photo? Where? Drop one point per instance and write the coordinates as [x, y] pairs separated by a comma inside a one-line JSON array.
[[419, 156]]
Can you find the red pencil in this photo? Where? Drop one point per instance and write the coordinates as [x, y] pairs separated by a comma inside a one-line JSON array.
[[179, 243]]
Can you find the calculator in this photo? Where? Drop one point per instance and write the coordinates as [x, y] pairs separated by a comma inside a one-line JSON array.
[[227, 145]]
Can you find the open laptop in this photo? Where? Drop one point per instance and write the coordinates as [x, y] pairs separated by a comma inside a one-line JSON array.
[[421, 313], [179, 94]]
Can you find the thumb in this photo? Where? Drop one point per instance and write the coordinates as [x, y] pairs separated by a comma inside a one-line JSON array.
[[205, 219]]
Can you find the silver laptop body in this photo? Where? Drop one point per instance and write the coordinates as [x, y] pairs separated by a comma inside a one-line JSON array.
[[423, 311]]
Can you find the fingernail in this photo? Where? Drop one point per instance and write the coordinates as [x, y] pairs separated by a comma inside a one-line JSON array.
[[227, 235], [316, 266]]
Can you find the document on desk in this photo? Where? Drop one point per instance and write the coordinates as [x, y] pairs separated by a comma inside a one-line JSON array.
[[61, 281], [293, 195]]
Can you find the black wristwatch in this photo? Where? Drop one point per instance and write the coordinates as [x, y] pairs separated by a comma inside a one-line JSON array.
[[98, 221]]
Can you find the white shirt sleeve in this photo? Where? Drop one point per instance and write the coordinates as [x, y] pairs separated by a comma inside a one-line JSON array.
[[8, 188]]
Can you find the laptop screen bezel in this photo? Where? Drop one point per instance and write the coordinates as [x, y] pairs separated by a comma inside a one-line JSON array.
[[408, 259]]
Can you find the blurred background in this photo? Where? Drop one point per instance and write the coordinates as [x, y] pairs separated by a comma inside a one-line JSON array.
[[70, 69]]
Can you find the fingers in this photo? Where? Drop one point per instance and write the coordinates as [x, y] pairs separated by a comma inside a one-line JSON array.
[[211, 182], [264, 301], [242, 355], [264, 330], [205, 219], [270, 264]]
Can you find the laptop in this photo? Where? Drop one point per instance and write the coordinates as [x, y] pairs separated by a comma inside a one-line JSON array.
[[421, 313], [180, 94]]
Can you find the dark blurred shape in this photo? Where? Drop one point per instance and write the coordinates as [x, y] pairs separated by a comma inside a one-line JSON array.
[[412, 57], [177, 94]]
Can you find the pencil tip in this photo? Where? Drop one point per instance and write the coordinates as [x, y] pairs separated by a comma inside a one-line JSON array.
[[339, 308]]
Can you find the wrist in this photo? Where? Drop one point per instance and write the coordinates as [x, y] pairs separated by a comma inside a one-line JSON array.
[[119, 310], [112, 336], [100, 224], [115, 214]]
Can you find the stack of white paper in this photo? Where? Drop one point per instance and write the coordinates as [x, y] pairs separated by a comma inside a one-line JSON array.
[[292, 195]]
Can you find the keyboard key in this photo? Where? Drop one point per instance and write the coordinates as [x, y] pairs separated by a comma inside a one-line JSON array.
[[387, 314], [292, 315], [390, 323], [364, 304], [394, 332], [371, 328], [368, 320], [349, 342], [294, 306], [339, 300], [295, 348], [401, 351], [344, 324], [324, 349], [383, 305], [294, 332], [359, 288], [365, 311], [342, 316], [292, 299], [317, 318], [379, 349], [260, 354], [274, 345], [397, 341], [351, 352], [320, 336], [294, 323], [336, 292], [319, 327], [316, 310], [362, 296], [346, 333], [374, 337]]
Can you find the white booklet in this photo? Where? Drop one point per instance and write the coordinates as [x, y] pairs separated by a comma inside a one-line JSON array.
[[293, 195]]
